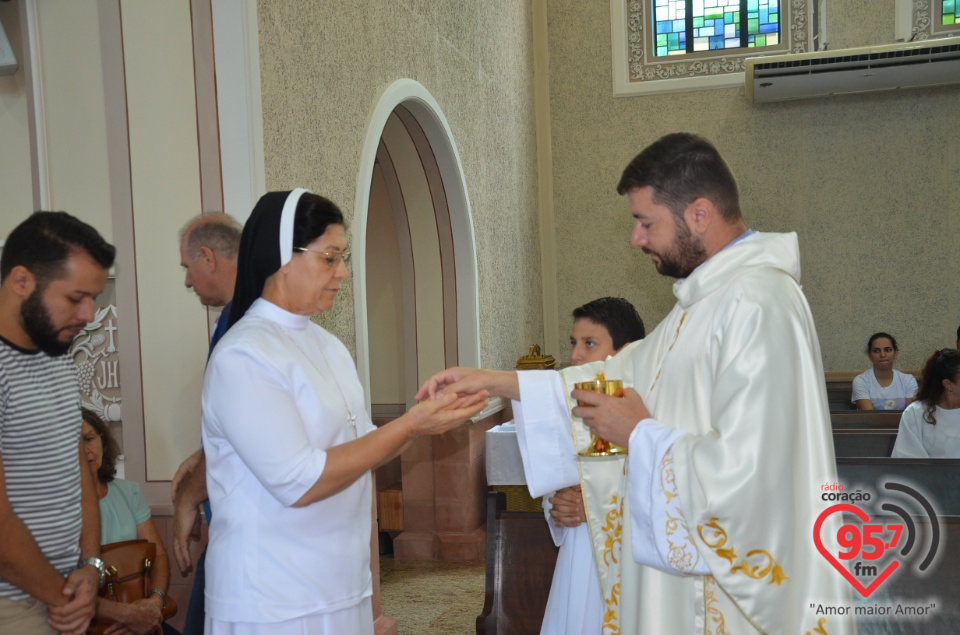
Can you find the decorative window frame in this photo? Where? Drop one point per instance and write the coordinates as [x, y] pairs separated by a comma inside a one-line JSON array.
[[633, 74], [919, 20]]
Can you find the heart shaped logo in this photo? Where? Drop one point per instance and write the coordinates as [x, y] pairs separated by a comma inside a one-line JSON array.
[[839, 566]]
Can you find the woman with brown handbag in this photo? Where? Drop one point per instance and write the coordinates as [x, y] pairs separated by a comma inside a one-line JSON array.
[[125, 516]]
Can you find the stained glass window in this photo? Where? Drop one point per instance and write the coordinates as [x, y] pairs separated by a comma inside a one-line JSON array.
[[948, 12], [689, 26]]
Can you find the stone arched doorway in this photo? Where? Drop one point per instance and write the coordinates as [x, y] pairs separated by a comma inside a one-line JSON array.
[[417, 310], [415, 290]]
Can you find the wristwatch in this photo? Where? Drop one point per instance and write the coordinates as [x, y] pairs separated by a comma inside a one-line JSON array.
[[96, 562], [163, 597]]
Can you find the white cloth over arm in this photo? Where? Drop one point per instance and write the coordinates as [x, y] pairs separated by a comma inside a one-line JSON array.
[[545, 430], [544, 433]]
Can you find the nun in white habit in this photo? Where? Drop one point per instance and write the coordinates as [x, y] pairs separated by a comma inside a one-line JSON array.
[[288, 443]]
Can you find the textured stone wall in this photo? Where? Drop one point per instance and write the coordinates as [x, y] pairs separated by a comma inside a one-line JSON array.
[[324, 65]]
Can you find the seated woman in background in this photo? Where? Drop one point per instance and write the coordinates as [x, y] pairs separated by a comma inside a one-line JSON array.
[[930, 427], [124, 515], [882, 387]]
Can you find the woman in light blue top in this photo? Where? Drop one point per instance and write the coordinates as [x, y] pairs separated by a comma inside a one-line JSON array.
[[125, 515]]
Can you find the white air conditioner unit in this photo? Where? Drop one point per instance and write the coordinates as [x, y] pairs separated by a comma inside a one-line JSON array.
[[859, 70]]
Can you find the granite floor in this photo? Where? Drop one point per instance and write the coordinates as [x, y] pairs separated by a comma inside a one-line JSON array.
[[432, 598]]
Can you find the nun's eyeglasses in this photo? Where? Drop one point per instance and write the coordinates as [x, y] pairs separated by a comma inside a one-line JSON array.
[[332, 258]]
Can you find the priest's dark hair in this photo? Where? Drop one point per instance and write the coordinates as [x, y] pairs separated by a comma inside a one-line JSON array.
[[682, 167], [44, 242], [260, 255], [942, 365], [617, 315]]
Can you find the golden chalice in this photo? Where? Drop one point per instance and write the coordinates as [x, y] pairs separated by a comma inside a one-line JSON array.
[[613, 388]]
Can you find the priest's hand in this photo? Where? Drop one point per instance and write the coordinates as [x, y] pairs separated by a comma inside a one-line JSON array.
[[470, 381], [611, 418], [567, 507]]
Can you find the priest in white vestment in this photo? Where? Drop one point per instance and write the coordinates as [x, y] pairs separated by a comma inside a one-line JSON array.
[[707, 527]]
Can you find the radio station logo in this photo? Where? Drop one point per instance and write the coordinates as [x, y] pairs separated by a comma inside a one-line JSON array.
[[867, 553]]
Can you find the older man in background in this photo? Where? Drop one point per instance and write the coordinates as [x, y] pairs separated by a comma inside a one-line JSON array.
[[209, 244]]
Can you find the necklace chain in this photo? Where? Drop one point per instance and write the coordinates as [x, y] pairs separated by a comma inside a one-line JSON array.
[[333, 376]]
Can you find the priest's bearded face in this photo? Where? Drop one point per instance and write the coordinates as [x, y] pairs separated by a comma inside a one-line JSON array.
[[675, 251]]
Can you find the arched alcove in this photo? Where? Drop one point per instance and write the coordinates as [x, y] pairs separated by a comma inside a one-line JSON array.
[[416, 295], [411, 101]]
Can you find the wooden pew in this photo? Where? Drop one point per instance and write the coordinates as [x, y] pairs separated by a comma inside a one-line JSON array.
[[838, 394], [521, 558], [864, 443], [937, 477], [864, 433], [861, 419]]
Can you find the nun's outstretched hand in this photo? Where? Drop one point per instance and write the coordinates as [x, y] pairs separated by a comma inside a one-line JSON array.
[[439, 415]]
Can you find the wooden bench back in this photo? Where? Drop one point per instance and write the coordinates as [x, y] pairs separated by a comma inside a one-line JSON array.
[[521, 558], [838, 395], [868, 442], [862, 419], [864, 433]]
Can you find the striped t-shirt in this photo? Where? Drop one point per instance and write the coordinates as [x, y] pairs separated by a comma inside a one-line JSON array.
[[39, 444]]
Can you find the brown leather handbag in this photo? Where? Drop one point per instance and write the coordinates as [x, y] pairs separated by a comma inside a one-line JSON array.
[[128, 565]]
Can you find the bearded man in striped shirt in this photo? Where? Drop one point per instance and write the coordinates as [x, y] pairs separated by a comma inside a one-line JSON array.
[[52, 269]]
